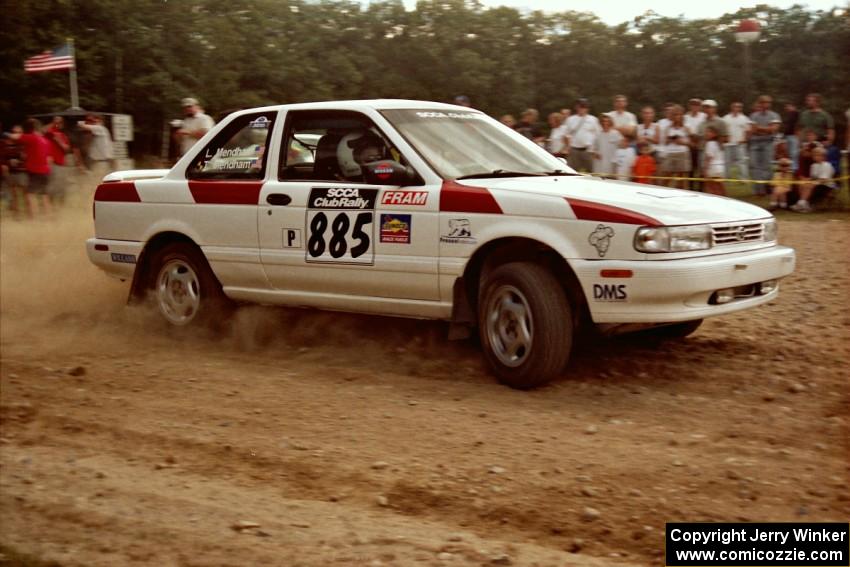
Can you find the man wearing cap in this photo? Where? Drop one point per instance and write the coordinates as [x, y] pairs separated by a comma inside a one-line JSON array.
[[582, 130], [195, 125], [765, 126]]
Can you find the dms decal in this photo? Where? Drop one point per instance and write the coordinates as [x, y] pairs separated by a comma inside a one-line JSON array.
[[346, 198], [610, 292], [395, 229], [601, 239], [417, 198], [460, 232], [124, 258]]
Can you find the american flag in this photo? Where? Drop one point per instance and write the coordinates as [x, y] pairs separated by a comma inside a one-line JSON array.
[[59, 58]]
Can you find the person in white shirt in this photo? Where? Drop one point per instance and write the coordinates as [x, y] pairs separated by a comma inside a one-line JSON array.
[[738, 129], [100, 147], [556, 143], [677, 150], [648, 131], [714, 167], [693, 119], [624, 159], [663, 124], [605, 148], [821, 179], [195, 124], [624, 121], [582, 130]]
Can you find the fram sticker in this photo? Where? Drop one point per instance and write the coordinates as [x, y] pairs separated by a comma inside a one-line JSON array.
[[610, 292], [414, 198], [124, 258], [460, 232], [395, 229]]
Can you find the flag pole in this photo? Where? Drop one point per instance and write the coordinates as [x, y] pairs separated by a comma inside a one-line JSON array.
[[72, 76]]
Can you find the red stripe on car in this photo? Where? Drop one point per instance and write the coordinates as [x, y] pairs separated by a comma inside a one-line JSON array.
[[226, 192], [118, 191], [457, 198], [590, 211]]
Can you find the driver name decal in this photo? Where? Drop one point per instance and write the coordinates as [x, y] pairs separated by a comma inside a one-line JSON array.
[[346, 198]]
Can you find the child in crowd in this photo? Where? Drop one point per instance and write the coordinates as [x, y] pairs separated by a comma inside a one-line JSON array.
[[624, 159], [821, 182], [714, 163], [644, 166], [810, 143], [781, 185]]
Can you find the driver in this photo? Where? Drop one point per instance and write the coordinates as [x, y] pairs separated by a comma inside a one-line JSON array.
[[357, 149]]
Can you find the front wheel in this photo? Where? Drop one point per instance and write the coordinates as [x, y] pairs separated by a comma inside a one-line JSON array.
[[525, 324], [183, 286]]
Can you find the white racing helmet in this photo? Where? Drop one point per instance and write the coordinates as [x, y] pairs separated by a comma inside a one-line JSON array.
[[348, 148]]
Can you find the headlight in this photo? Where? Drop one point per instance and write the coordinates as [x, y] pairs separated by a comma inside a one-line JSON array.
[[770, 231], [673, 238]]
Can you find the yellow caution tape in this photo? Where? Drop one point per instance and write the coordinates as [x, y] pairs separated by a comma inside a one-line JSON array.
[[721, 180]]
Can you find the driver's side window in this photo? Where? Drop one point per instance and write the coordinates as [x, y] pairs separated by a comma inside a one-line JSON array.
[[332, 146], [238, 151]]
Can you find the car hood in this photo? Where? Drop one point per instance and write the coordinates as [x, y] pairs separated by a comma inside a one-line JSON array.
[[668, 206]]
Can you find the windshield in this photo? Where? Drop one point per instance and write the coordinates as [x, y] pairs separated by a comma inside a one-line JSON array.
[[471, 144]]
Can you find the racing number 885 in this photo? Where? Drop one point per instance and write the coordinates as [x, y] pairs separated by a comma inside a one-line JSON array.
[[338, 245]]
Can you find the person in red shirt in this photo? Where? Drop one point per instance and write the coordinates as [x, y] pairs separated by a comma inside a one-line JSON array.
[[644, 166], [36, 164], [60, 146]]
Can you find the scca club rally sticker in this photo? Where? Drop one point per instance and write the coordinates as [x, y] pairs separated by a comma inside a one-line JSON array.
[[415, 198], [342, 198], [610, 292], [395, 229]]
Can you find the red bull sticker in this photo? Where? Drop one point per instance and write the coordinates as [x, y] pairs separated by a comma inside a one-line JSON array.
[[395, 229]]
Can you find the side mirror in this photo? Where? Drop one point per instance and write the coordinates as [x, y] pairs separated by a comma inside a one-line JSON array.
[[388, 172]]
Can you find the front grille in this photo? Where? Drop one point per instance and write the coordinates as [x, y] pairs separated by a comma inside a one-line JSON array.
[[737, 233]]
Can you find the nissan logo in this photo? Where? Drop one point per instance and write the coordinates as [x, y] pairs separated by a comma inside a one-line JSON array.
[[741, 233]]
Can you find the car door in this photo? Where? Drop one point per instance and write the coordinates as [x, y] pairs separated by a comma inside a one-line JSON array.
[[323, 230]]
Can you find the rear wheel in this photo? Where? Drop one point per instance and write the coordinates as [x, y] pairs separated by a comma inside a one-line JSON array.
[[183, 286], [525, 324]]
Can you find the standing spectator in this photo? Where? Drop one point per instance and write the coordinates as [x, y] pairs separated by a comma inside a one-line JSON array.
[[528, 127], [738, 129], [648, 131], [460, 100], [37, 165], [644, 167], [693, 119], [508, 120], [100, 146], [761, 143], [712, 120], [817, 119], [624, 159], [713, 161], [60, 146], [821, 183], [14, 172], [605, 146], [847, 130], [624, 121], [556, 144], [790, 133], [195, 125], [677, 150], [582, 130], [663, 124], [566, 112], [781, 185]]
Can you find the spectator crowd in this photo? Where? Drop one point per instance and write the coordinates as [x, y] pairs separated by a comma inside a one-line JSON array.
[[792, 157]]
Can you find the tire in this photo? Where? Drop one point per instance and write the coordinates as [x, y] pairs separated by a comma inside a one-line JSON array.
[[677, 330], [525, 324], [183, 287]]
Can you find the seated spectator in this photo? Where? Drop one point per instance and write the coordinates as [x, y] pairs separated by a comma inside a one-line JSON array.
[[807, 149], [821, 183], [781, 185], [605, 146], [556, 143], [644, 166], [624, 159]]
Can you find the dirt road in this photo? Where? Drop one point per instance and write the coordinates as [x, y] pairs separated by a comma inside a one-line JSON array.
[[306, 438]]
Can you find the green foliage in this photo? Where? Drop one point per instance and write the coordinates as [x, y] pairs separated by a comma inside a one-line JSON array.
[[142, 56]]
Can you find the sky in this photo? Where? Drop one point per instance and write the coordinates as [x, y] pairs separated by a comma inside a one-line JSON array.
[[618, 12]]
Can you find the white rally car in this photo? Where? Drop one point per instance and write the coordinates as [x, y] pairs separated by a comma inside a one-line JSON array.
[[428, 210]]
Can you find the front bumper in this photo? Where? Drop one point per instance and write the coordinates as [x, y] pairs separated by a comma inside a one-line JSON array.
[[115, 257], [669, 291]]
